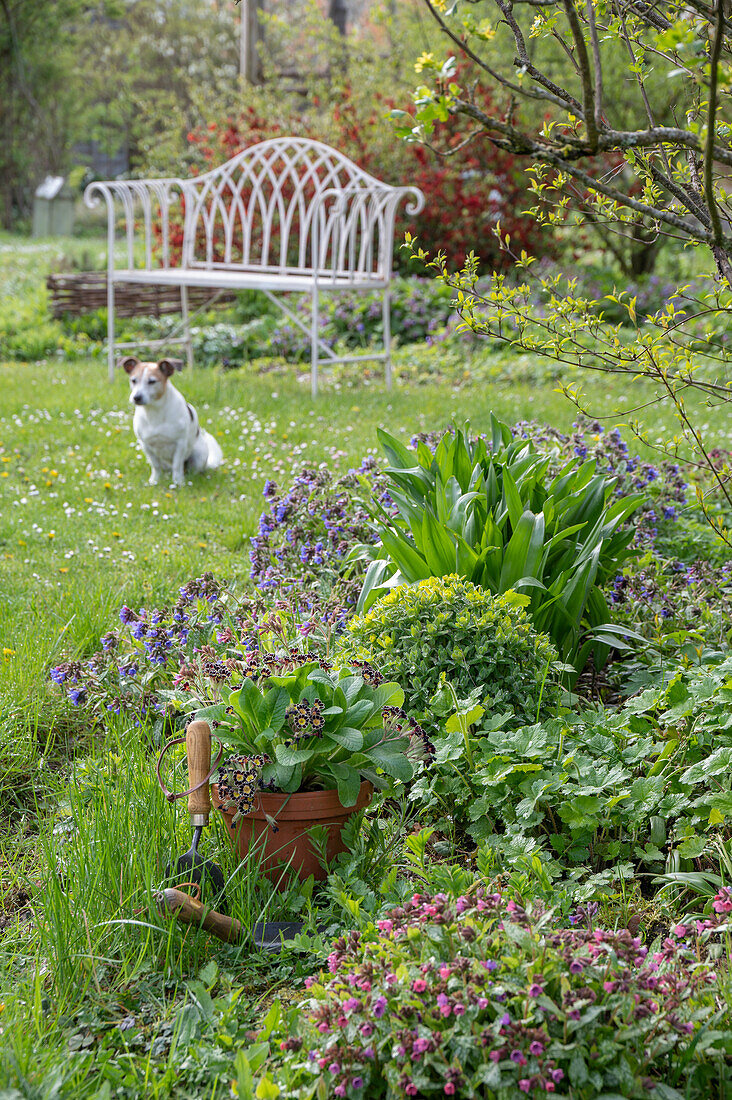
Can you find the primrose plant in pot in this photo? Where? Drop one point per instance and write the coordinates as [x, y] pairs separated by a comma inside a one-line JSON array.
[[308, 747]]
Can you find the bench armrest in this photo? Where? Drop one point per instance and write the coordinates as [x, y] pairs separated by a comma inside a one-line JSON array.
[[145, 206], [380, 193], [348, 223]]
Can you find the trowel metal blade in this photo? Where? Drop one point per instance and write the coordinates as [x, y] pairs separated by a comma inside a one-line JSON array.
[[268, 935]]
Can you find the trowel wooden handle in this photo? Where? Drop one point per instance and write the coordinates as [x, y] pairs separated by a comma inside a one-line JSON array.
[[190, 911], [198, 750]]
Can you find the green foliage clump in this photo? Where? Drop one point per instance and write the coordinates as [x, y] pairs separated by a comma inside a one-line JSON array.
[[310, 729], [490, 509], [447, 629], [604, 792]]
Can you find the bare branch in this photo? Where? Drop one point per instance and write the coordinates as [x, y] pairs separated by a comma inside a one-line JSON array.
[[691, 199], [588, 91], [597, 61], [520, 144], [524, 62], [711, 122]]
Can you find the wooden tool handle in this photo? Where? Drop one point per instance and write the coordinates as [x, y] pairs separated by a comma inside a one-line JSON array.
[[198, 749], [190, 911]]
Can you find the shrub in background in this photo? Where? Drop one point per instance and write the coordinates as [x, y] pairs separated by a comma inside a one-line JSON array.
[[478, 996], [466, 196], [447, 629]]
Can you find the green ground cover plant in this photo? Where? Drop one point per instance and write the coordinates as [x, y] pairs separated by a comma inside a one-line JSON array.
[[597, 789]]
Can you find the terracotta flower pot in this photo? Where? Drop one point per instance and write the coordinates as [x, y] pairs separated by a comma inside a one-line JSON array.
[[294, 814]]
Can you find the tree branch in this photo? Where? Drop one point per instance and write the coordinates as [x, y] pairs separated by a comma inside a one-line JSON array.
[[524, 61], [597, 61], [588, 92], [520, 144], [711, 123]]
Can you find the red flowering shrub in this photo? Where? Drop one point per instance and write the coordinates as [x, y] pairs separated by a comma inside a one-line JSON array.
[[465, 194]]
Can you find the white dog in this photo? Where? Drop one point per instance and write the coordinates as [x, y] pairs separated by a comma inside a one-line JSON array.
[[165, 424]]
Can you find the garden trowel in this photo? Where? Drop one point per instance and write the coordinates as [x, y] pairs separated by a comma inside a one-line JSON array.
[[191, 867], [268, 936]]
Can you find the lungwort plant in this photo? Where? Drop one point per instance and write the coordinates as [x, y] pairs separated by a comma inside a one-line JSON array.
[[488, 509], [480, 996]]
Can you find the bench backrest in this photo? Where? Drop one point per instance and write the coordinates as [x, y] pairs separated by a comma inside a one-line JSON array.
[[290, 205]]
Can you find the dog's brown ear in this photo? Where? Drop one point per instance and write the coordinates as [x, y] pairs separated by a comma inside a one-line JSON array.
[[128, 363], [170, 366]]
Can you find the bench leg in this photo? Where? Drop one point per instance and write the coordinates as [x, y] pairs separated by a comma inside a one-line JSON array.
[[386, 315], [185, 317], [314, 345], [110, 328]]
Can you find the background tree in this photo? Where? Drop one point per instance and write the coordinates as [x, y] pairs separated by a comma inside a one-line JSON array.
[[563, 118], [168, 58], [38, 93], [344, 101], [130, 74], [667, 171]]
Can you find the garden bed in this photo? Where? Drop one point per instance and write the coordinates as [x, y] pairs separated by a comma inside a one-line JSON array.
[[102, 992]]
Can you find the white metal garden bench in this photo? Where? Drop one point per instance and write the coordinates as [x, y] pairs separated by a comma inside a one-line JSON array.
[[288, 214]]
